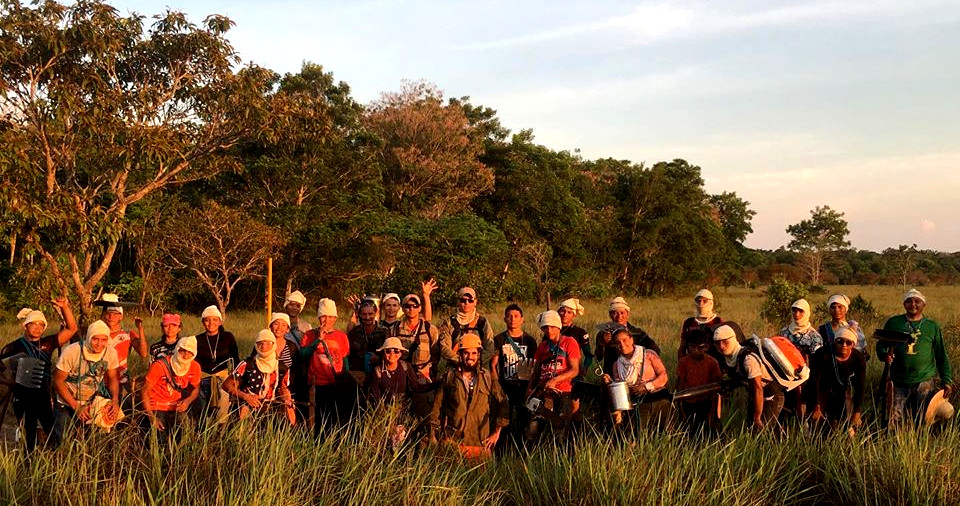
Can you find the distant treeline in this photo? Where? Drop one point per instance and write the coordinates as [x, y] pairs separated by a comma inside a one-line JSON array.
[[144, 163]]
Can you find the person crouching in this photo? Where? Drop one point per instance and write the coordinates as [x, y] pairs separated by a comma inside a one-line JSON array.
[[646, 379], [470, 408], [172, 385], [262, 381]]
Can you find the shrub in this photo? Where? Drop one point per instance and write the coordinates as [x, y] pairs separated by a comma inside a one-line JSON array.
[[780, 296]]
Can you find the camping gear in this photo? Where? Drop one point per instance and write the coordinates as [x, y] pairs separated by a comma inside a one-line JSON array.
[[784, 356]]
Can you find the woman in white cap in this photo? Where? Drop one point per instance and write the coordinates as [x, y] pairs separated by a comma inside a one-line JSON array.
[[806, 338], [87, 380], [262, 379], [838, 305], [217, 354], [172, 385], [838, 374], [704, 318], [32, 404]]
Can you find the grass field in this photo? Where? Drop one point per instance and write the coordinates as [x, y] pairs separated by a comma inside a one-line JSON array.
[[254, 464]]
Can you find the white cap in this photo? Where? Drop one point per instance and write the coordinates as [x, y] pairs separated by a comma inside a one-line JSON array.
[[839, 298], [619, 303], [296, 296], [723, 333], [846, 334], [188, 343], [706, 294], [573, 304], [98, 328], [31, 315], [801, 304], [549, 319], [913, 293], [213, 311], [327, 307], [265, 335], [280, 316]]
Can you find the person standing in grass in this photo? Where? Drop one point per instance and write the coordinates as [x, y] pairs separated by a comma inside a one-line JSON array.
[[568, 310], [393, 378], [170, 326], [838, 305], [390, 307], [514, 361], [325, 349], [609, 351], [704, 318], [364, 339], [646, 378], [556, 364], [466, 320], [697, 368], [34, 405], [293, 307], [261, 383], [423, 340], [806, 338], [838, 373], [914, 367], [172, 385], [470, 409], [217, 354], [764, 394], [123, 340]]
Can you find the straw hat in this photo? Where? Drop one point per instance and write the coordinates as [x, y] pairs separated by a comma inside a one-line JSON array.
[[392, 343], [938, 408]]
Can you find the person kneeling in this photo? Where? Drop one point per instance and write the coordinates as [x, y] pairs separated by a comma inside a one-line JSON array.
[[264, 381], [172, 385], [645, 377]]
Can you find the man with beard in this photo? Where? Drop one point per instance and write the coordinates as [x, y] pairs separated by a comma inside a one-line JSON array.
[[470, 409]]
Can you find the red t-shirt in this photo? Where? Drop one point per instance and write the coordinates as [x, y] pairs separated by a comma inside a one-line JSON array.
[[693, 373], [554, 360], [327, 360], [163, 396], [121, 341]]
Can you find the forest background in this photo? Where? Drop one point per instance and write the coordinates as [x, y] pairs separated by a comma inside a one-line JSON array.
[[138, 156]]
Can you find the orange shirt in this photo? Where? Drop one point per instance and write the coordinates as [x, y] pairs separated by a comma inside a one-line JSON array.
[[327, 360], [163, 396]]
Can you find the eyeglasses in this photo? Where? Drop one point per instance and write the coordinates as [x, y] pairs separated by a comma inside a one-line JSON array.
[[466, 300], [844, 342], [411, 306], [391, 352]]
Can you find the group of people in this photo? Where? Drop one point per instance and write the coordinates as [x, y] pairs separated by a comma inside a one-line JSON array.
[[464, 384]]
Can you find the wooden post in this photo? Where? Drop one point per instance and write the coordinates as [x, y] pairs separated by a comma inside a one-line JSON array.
[[269, 290]]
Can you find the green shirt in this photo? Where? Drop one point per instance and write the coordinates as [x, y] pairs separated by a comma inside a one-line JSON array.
[[929, 357]]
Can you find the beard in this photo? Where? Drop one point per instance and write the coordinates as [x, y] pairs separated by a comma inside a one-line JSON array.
[[470, 367]]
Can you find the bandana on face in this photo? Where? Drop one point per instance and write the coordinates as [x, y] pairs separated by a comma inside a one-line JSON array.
[[267, 362], [802, 325], [704, 313], [179, 365]]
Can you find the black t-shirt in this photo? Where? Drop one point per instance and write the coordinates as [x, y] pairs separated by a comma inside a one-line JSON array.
[[214, 353], [161, 349], [526, 344], [830, 377], [362, 342]]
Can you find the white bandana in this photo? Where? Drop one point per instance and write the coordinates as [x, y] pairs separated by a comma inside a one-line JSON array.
[[267, 362], [802, 325]]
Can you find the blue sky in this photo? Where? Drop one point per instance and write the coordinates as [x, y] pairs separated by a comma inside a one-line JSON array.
[[853, 104]]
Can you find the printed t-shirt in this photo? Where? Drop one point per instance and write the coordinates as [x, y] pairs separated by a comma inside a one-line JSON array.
[[264, 386], [164, 396], [84, 378], [121, 341], [555, 360], [161, 349]]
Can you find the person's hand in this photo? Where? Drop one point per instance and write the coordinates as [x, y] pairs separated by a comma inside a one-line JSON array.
[[606, 379], [617, 417], [182, 407], [855, 421], [157, 422], [60, 303], [817, 414], [947, 391], [83, 413], [428, 287], [889, 358], [252, 400], [492, 440], [757, 424], [138, 322], [551, 384], [291, 415]]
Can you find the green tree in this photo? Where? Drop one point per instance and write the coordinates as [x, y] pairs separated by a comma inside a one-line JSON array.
[[99, 113], [816, 238], [904, 260]]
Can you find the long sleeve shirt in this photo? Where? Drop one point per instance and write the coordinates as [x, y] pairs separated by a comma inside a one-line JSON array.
[[468, 413], [927, 357]]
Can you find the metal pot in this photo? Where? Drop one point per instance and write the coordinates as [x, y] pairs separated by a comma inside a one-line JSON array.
[[619, 396]]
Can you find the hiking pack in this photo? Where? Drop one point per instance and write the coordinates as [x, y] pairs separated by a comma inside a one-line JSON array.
[[780, 357]]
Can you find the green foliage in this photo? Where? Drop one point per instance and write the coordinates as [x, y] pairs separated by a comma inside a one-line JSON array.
[[781, 294], [825, 232]]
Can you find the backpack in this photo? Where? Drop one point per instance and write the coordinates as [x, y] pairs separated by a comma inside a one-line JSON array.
[[459, 330], [781, 359]]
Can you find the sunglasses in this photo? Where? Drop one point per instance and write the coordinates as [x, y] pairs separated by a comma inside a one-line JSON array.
[[411, 306], [844, 342], [466, 300], [391, 352]]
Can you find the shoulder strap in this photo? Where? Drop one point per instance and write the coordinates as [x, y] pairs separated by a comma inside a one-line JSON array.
[[516, 348], [556, 349]]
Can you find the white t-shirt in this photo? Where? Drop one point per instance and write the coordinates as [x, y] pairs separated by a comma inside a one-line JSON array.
[[754, 368], [85, 378]]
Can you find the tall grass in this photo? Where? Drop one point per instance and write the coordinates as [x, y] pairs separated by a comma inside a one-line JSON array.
[[264, 463]]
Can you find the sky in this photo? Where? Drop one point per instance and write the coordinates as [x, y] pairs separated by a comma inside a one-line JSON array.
[[854, 104]]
